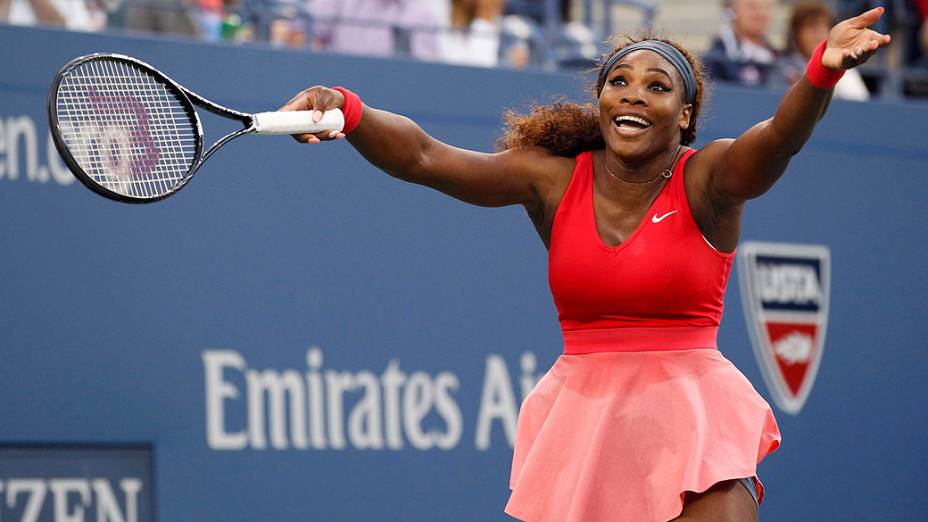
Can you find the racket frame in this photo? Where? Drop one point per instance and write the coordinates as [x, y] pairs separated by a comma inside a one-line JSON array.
[[186, 97]]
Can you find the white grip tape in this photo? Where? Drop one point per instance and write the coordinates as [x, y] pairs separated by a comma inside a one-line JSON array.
[[297, 122]]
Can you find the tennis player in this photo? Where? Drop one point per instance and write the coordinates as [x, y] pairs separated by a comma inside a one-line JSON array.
[[641, 419]]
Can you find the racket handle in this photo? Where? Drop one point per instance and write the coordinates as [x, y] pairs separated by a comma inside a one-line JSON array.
[[297, 122]]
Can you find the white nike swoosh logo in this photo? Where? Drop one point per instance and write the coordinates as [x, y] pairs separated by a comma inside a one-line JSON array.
[[656, 219]]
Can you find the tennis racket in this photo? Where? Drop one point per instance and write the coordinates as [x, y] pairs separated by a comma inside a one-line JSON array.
[[131, 134]]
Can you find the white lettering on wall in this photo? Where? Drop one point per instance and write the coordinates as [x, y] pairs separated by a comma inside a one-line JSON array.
[[60, 173], [528, 379], [318, 408], [365, 427], [445, 384], [71, 498], [497, 402], [35, 491], [393, 379], [3, 149], [784, 283], [417, 402], [64, 488], [20, 153], [314, 390], [217, 391], [107, 506], [275, 386]]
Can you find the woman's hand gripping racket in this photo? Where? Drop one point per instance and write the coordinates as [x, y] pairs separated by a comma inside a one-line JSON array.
[[131, 134]]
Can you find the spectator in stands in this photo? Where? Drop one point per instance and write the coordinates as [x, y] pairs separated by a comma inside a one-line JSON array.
[[521, 32], [525, 25], [285, 22], [376, 27], [30, 12], [922, 8], [474, 38], [79, 15], [809, 25], [160, 16], [517, 35], [741, 52], [209, 15], [537, 9]]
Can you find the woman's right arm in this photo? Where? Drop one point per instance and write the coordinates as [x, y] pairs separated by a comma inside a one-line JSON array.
[[399, 147]]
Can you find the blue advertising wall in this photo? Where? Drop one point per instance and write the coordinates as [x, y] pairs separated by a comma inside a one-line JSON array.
[[297, 268]]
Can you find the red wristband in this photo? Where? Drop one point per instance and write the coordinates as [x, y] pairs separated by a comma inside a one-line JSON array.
[[819, 75], [351, 109]]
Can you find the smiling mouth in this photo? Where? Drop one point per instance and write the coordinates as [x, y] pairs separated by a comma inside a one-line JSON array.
[[633, 123]]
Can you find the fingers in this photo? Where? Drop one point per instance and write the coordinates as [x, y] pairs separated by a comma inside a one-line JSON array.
[[872, 43], [317, 99], [301, 102], [874, 40], [325, 100], [883, 39], [320, 137], [319, 106], [866, 19], [851, 59], [864, 49]]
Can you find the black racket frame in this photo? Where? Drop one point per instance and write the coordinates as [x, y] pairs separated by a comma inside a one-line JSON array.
[[186, 97]]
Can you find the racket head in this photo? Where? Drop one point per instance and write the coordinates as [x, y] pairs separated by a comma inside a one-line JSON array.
[[123, 128]]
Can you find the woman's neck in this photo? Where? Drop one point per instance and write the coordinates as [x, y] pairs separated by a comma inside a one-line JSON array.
[[638, 172]]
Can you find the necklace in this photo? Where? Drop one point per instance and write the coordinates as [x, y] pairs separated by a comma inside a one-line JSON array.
[[666, 173]]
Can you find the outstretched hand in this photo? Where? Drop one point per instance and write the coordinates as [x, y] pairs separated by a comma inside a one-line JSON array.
[[317, 99], [851, 43]]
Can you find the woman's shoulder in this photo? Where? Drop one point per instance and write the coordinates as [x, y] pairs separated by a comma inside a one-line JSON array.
[[708, 154], [702, 161], [541, 152], [541, 160]]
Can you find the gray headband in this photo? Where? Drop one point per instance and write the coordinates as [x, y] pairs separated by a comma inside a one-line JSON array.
[[670, 53]]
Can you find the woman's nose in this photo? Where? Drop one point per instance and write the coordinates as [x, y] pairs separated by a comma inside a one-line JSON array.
[[633, 96]]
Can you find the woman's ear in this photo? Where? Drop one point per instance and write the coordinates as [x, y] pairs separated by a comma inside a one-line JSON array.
[[685, 116]]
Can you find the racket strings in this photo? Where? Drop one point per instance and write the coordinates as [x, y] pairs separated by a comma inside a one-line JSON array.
[[125, 128]]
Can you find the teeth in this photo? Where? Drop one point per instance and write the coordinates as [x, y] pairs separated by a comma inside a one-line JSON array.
[[635, 119]]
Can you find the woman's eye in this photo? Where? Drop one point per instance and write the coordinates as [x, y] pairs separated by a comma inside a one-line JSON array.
[[659, 87], [618, 80]]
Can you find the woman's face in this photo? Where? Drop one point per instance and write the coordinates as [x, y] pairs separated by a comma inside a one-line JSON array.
[[810, 35], [641, 107]]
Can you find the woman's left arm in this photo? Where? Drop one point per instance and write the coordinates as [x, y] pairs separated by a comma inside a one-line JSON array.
[[748, 166]]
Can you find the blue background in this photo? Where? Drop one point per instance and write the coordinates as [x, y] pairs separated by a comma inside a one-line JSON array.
[[275, 246]]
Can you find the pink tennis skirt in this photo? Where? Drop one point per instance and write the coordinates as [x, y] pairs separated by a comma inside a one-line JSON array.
[[622, 436]]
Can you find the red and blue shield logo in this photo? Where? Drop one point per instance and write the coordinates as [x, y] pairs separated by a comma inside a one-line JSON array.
[[785, 291]]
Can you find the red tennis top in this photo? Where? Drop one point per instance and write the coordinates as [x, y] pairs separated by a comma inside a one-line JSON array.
[[660, 289]]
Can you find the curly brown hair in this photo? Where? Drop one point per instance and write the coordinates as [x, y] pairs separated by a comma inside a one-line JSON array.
[[567, 129]]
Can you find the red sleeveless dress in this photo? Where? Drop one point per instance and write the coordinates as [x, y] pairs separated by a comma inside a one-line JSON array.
[[641, 407]]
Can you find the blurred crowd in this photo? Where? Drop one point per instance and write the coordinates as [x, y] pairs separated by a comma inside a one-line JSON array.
[[742, 53], [516, 33]]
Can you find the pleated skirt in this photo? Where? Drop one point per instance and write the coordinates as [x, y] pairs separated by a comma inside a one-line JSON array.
[[622, 436]]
